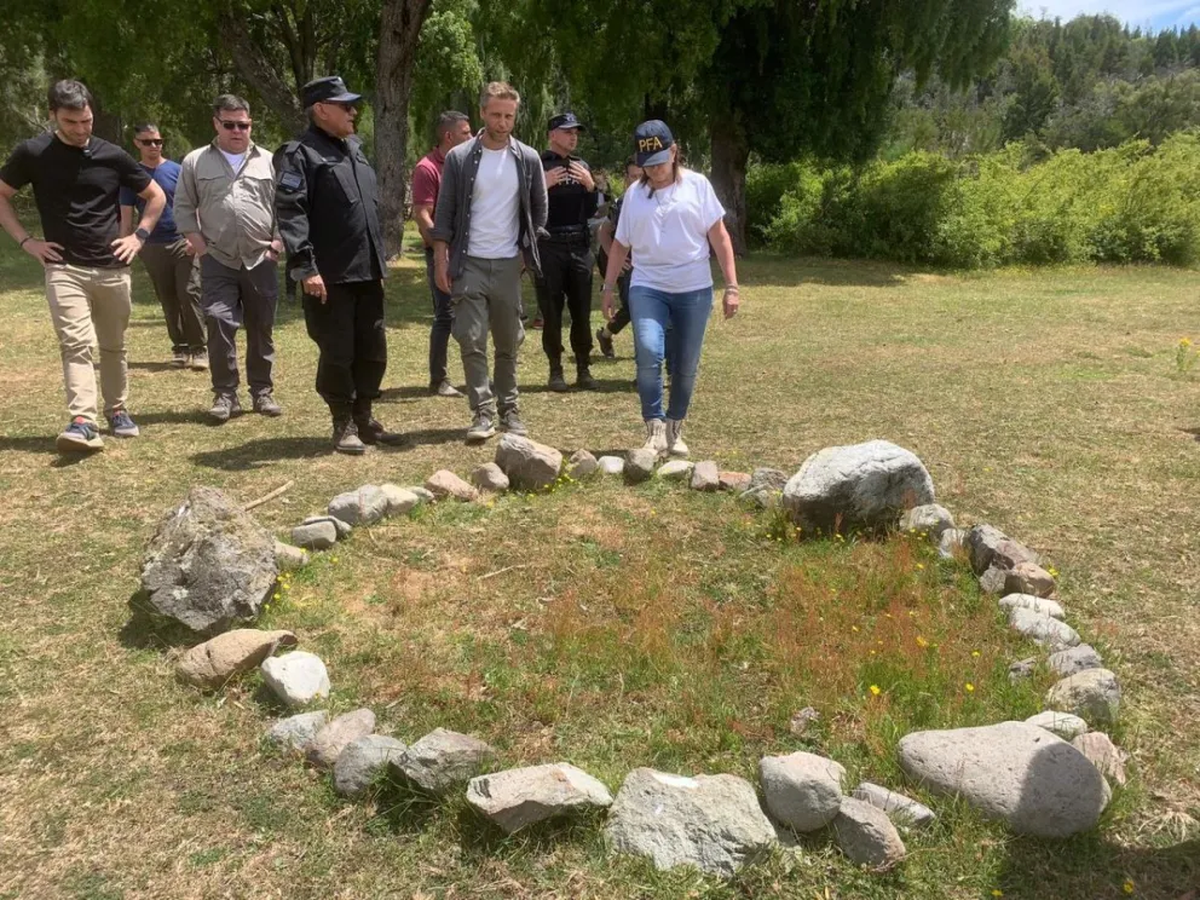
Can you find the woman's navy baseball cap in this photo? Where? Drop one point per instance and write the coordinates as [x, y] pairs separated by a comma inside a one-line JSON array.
[[652, 143]]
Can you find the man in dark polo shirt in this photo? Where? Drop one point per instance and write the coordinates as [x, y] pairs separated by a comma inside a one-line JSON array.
[[76, 181], [326, 204], [453, 128], [566, 253]]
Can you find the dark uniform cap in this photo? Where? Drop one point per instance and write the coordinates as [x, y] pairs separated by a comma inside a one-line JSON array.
[[330, 89], [566, 121], [652, 142]]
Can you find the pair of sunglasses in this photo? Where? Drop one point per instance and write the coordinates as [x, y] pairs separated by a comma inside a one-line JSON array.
[[235, 126], [151, 142]]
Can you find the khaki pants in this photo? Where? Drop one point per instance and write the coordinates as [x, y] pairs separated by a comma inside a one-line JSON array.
[[487, 297], [90, 306]]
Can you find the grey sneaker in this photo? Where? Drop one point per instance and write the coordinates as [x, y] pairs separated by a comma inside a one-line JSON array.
[[510, 423], [265, 405], [122, 425], [482, 428], [444, 389], [179, 359], [224, 407]]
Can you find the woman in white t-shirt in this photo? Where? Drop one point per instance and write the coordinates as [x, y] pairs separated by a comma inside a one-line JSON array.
[[669, 220]]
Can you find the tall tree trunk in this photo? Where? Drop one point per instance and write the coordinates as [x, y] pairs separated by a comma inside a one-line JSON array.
[[730, 156], [399, 31], [251, 63]]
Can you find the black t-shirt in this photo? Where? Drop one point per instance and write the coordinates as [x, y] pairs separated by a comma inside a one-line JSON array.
[[569, 203], [78, 193]]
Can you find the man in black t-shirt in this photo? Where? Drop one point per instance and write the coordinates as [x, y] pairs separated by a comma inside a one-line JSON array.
[[76, 182]]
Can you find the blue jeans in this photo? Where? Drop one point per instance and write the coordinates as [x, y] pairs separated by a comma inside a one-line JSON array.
[[686, 315]]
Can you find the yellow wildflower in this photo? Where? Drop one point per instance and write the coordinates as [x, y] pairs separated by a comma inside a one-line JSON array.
[[970, 687], [875, 690], [1127, 887], [921, 642]]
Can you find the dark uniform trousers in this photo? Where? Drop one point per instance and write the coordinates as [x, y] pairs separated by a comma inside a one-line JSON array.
[[349, 333], [566, 275], [621, 317], [230, 298]]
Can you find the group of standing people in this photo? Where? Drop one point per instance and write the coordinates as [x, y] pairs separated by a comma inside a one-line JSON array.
[[212, 230]]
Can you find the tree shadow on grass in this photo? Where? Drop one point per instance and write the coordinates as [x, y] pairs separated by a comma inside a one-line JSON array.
[[481, 839], [1089, 866], [262, 452], [1194, 431], [603, 386], [177, 417]]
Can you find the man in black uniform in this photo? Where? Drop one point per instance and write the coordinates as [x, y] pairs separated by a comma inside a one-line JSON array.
[[325, 204], [566, 253]]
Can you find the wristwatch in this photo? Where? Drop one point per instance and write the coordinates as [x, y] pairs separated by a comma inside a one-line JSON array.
[[143, 234]]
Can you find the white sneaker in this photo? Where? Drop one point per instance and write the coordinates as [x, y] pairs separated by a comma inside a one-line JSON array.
[[656, 436], [675, 444]]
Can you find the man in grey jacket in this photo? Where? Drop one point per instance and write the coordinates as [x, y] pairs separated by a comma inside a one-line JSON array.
[[491, 209]]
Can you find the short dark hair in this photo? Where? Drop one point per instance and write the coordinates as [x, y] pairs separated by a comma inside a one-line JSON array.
[[143, 127], [230, 103], [631, 160], [446, 121], [69, 94]]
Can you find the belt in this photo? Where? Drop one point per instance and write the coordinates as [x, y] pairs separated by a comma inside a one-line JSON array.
[[568, 237]]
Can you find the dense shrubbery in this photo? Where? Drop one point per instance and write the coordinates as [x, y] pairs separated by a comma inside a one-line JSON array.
[[1133, 203]]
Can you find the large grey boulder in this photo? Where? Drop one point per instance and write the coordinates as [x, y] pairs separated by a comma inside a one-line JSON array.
[[362, 762], [803, 790], [988, 546], [211, 664], [867, 836], [364, 506], [898, 807], [296, 732], [712, 822], [328, 743], [442, 759], [1013, 771], [296, 678], [1042, 628], [530, 466], [1093, 694], [516, 798], [209, 563], [1075, 659], [858, 486], [929, 519]]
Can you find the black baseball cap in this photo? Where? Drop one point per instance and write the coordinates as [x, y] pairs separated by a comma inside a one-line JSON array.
[[330, 89], [652, 142], [566, 121]]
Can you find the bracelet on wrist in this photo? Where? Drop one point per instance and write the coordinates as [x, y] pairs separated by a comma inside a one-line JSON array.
[[24, 241], [732, 289]]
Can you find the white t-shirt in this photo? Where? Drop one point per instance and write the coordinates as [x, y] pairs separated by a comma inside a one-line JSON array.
[[235, 160], [668, 233], [495, 225]]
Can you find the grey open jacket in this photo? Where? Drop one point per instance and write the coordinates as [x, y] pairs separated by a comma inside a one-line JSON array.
[[452, 217]]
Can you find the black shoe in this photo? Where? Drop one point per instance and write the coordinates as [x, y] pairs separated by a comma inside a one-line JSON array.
[[557, 383], [345, 437], [444, 389], [511, 423], [604, 339], [585, 382], [371, 431], [482, 428]]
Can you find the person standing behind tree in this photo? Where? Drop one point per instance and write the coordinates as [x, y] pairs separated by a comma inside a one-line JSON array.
[[491, 210], [328, 214], [566, 253], [173, 270], [453, 128], [669, 220], [76, 182]]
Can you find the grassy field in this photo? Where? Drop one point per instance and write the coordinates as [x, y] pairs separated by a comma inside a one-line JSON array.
[[609, 626]]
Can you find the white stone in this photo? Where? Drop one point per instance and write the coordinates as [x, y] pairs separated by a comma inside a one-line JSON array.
[[803, 790], [1038, 604], [364, 506], [1065, 725], [929, 519], [899, 808], [400, 501], [611, 465], [296, 678], [1041, 628], [675, 469], [490, 477], [706, 476], [516, 798]]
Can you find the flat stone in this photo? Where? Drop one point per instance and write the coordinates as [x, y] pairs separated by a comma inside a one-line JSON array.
[[1022, 668], [857, 486], [1074, 660], [343, 529], [364, 506], [639, 464], [328, 743], [1042, 628], [490, 477], [867, 836], [994, 580], [516, 798], [582, 465], [900, 809], [362, 762], [611, 465], [989, 546], [1093, 694], [296, 732], [950, 544], [209, 564], [1038, 604], [423, 494], [1065, 725], [1030, 578], [289, 558], [1103, 754], [675, 470], [443, 759], [734, 481], [211, 664], [296, 678], [1027, 777], [705, 476], [803, 790], [444, 483], [929, 519], [530, 466], [315, 536], [712, 822], [400, 501]]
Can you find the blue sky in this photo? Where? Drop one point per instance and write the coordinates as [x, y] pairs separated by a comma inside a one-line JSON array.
[[1155, 14]]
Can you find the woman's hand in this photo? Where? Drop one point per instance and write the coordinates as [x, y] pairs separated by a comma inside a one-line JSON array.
[[731, 301], [606, 302]]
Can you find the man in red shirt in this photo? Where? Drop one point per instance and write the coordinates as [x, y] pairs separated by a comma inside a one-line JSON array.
[[453, 128]]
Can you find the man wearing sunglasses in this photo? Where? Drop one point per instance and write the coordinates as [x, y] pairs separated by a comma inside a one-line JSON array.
[[225, 209], [327, 200], [173, 270]]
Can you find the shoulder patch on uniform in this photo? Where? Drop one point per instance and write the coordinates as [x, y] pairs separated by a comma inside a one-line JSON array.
[[290, 180]]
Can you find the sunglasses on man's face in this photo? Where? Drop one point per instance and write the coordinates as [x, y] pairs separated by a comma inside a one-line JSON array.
[[151, 142], [344, 107], [234, 126]]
